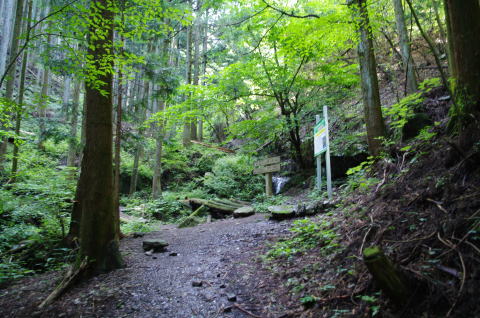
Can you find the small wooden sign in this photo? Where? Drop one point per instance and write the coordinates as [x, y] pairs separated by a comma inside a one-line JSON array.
[[266, 167], [266, 162]]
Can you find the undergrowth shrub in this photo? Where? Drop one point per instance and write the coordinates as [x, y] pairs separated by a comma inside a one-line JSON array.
[[307, 235], [232, 176]]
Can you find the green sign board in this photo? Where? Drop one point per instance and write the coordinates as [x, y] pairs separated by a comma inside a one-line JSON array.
[[320, 138]]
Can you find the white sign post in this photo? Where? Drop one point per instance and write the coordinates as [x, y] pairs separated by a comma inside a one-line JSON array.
[[322, 146]]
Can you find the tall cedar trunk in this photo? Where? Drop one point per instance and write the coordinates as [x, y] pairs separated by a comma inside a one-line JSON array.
[[408, 65], [204, 68], [42, 107], [21, 93], [72, 142], [368, 71], [464, 17], [7, 15], [98, 236], [157, 172], [118, 144], [196, 62], [187, 131], [12, 72], [142, 110]]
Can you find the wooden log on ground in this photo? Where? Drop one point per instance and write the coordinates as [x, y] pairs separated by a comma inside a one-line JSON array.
[[193, 219], [391, 280]]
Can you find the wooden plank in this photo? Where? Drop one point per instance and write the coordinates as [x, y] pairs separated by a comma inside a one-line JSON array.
[[266, 162], [267, 169]]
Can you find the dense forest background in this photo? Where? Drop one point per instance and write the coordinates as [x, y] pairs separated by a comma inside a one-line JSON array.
[[113, 112]]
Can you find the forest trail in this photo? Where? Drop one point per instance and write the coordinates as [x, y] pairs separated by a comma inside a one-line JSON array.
[[218, 254]]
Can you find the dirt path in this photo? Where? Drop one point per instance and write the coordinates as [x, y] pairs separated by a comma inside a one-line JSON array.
[[219, 255]]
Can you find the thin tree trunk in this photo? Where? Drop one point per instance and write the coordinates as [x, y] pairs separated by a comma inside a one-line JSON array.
[[42, 107], [204, 69], [98, 237], [72, 142], [408, 65], [157, 172], [368, 71], [187, 127], [21, 93], [139, 150], [118, 144]]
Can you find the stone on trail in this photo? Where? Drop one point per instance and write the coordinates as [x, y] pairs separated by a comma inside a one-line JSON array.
[[157, 245], [232, 297], [243, 212], [281, 212], [197, 283]]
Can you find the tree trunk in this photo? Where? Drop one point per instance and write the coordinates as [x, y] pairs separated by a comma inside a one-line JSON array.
[[157, 172], [72, 142], [204, 69], [139, 150], [464, 17], [98, 236], [12, 72], [7, 15], [408, 65], [187, 127], [368, 71], [42, 108], [21, 93]]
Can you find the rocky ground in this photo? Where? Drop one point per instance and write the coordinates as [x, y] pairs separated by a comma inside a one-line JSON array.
[[207, 271]]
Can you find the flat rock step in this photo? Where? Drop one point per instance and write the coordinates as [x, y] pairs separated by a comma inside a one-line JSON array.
[[243, 212], [281, 212], [155, 245]]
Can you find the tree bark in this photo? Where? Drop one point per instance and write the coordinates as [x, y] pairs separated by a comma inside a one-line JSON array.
[[408, 65], [12, 72], [98, 237], [204, 69], [368, 71], [72, 142], [7, 15], [139, 149], [187, 127], [464, 17], [21, 93]]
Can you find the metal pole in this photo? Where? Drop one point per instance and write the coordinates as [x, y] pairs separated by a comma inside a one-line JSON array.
[[319, 162], [327, 156]]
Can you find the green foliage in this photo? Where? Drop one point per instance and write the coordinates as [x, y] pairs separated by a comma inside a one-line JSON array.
[[401, 112], [232, 176], [262, 202], [165, 210], [359, 176], [307, 235]]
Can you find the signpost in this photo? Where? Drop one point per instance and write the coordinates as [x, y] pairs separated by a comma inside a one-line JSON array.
[[267, 167], [322, 146]]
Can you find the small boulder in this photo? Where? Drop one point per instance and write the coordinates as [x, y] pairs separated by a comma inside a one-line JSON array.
[[243, 212], [157, 245], [232, 297], [197, 283], [281, 212]]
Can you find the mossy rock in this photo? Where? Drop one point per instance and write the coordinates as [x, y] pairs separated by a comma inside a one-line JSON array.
[[281, 212], [243, 212]]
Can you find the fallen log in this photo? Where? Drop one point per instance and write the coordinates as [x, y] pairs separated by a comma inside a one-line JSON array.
[[218, 208]]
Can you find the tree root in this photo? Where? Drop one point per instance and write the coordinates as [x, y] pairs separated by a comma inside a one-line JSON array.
[[72, 275]]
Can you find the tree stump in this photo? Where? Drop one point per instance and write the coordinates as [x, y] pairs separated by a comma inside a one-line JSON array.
[[389, 279]]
